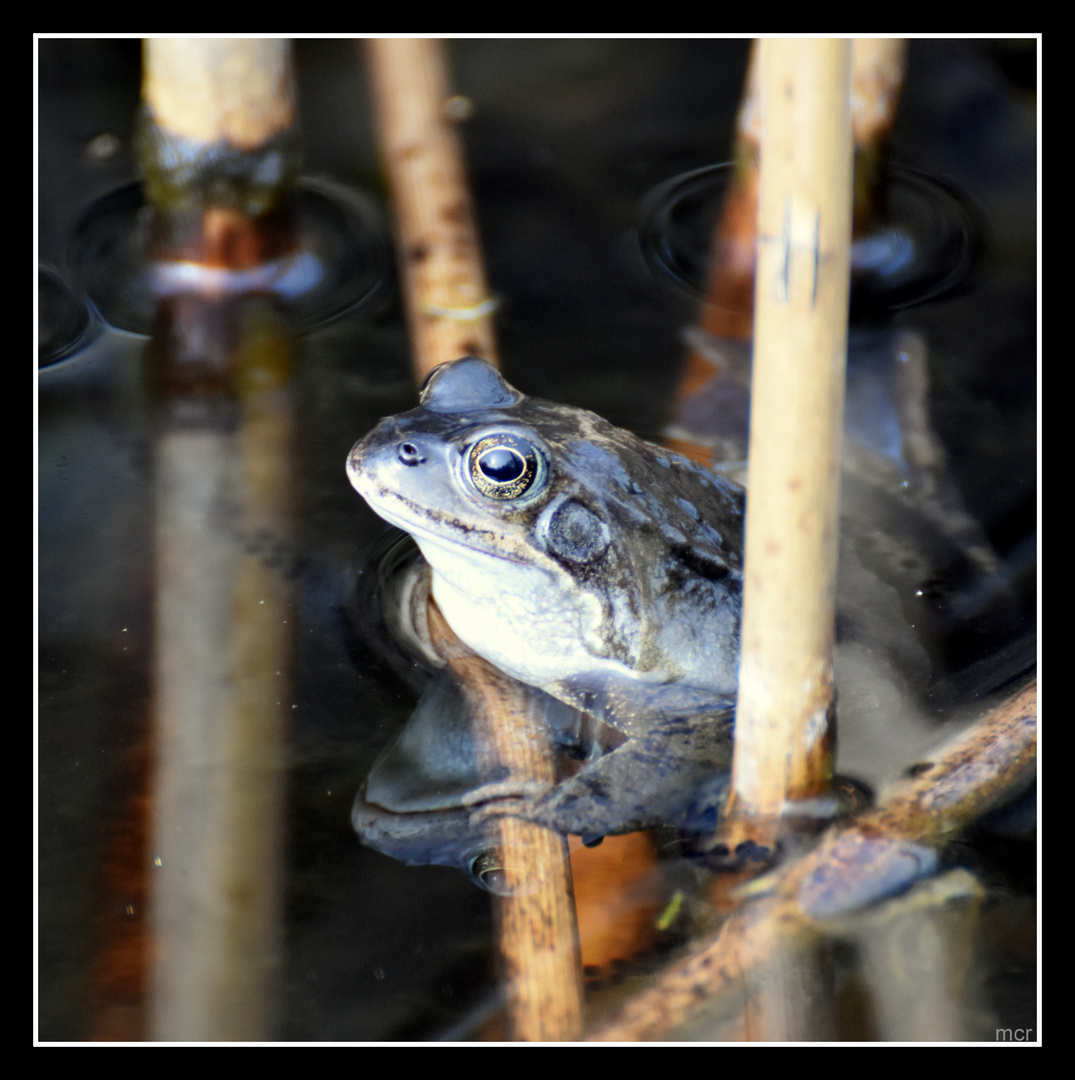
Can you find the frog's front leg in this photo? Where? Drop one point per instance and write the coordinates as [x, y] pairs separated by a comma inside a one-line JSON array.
[[673, 774]]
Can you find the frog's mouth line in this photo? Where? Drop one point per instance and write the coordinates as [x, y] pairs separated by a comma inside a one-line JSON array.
[[416, 530]]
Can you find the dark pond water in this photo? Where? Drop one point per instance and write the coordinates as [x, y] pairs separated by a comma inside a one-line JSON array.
[[566, 140]]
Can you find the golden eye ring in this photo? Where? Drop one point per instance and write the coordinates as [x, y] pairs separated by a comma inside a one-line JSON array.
[[503, 466]]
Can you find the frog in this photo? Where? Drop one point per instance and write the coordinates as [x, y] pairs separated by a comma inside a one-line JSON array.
[[604, 572], [600, 570]]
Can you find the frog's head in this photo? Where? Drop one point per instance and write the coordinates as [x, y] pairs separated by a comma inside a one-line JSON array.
[[561, 546]]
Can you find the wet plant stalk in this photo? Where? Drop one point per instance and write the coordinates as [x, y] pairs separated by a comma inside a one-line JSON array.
[[220, 89], [449, 307], [877, 67], [450, 315], [783, 740], [536, 920]]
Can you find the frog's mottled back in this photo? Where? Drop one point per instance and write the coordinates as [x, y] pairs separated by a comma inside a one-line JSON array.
[[568, 552]]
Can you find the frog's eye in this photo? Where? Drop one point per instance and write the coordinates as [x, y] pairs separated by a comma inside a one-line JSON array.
[[504, 466]]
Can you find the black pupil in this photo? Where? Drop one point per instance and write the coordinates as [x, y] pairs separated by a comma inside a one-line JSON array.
[[502, 465]]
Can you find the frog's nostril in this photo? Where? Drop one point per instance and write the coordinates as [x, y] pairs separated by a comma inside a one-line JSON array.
[[410, 454]]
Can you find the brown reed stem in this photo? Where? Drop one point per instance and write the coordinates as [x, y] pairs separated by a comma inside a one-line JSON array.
[[783, 743], [450, 314]]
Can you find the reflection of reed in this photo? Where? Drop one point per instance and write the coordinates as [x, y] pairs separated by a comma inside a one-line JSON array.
[[450, 315], [223, 693], [224, 521]]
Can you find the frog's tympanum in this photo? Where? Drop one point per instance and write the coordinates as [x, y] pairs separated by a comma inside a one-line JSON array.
[[604, 572], [584, 562]]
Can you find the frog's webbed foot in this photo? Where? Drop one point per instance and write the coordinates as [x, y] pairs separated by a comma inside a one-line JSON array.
[[581, 804], [572, 806], [675, 775]]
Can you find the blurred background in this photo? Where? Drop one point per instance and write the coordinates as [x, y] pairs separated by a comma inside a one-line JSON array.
[[564, 142]]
